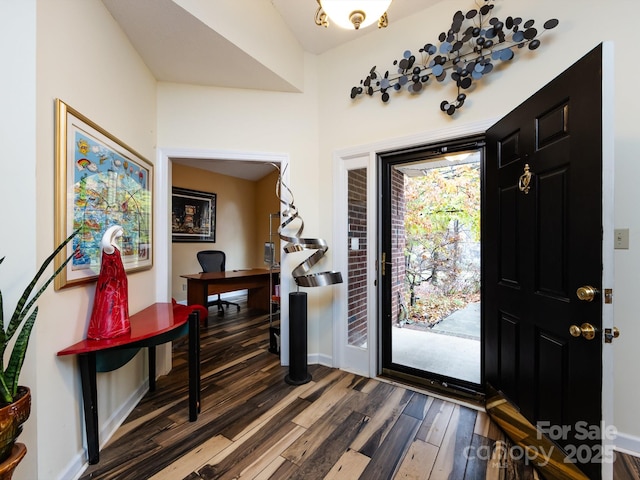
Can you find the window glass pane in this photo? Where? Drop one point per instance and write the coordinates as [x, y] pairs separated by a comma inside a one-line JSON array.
[[357, 247]]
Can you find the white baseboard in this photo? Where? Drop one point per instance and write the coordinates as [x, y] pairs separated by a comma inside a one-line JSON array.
[[627, 444], [317, 359], [121, 414], [79, 464], [75, 468], [320, 359]]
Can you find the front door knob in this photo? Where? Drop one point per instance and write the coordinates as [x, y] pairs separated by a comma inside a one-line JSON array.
[[586, 293], [587, 330]]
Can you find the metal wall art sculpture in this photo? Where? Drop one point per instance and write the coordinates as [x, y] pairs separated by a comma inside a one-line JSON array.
[[295, 243], [469, 49]]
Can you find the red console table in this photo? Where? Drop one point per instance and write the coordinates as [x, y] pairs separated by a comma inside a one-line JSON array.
[[155, 325]]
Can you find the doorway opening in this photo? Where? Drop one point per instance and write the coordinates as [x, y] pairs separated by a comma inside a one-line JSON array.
[[431, 290]]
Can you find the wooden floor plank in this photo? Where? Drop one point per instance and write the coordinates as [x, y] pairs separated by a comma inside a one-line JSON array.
[[284, 471], [275, 409], [199, 456], [366, 385], [319, 462], [246, 450], [388, 456], [418, 461], [320, 385], [435, 422], [326, 402], [349, 466], [451, 462], [270, 470], [370, 401], [483, 423], [374, 433], [478, 455], [317, 434], [626, 467], [271, 460]]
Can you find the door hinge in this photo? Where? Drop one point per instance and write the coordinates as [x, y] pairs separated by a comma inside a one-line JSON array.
[[608, 295]]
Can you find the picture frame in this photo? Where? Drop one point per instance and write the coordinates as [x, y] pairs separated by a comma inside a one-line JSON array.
[[100, 182], [193, 215]]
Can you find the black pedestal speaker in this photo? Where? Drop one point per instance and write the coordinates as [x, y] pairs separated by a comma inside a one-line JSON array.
[[298, 374]]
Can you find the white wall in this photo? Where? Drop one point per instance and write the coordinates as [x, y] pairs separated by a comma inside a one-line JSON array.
[[84, 59], [346, 123], [17, 176], [282, 53]]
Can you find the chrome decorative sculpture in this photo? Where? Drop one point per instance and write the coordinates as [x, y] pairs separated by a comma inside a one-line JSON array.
[[296, 243], [469, 49]]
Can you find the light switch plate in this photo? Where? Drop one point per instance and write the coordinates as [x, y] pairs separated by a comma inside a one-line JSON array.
[[621, 238]]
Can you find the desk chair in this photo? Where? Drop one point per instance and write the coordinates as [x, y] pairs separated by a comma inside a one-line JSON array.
[[214, 261]]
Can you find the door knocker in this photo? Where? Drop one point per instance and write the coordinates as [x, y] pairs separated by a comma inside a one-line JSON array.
[[525, 180]]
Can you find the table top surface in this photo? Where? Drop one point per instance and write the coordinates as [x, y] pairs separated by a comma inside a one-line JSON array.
[[148, 323], [249, 272]]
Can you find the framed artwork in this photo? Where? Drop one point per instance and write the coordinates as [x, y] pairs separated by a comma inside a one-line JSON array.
[[100, 182], [193, 216]]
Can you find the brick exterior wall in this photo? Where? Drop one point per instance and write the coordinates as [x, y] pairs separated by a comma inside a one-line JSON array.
[[357, 263], [398, 242], [357, 277]]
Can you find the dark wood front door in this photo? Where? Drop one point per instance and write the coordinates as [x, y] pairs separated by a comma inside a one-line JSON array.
[[542, 242]]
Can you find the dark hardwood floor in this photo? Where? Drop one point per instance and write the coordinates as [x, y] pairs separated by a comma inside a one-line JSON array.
[[255, 426], [626, 467]]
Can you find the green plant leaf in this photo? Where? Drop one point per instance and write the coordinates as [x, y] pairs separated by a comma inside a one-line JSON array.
[[2, 332], [3, 335], [21, 310], [18, 353], [5, 395], [9, 377]]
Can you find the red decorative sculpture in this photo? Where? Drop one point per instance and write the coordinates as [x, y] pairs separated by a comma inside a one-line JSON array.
[[110, 314]]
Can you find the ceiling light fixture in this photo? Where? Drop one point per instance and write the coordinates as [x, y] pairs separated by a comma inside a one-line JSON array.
[[352, 14]]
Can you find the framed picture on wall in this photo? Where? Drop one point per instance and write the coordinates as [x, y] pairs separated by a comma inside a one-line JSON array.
[[193, 215], [100, 182]]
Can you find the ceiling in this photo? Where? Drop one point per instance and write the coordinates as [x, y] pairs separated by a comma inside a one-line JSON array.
[[299, 16], [177, 47], [247, 170]]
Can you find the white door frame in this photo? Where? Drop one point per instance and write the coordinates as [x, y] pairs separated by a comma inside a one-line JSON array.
[[608, 164], [162, 216], [359, 360], [365, 361]]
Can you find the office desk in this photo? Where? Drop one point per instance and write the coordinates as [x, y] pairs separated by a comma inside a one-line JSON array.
[[256, 280], [152, 326]]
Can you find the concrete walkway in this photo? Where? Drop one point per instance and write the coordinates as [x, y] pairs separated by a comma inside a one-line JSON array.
[[464, 323], [450, 348]]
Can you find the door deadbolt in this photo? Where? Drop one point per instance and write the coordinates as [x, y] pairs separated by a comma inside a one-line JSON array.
[[586, 293], [587, 330]]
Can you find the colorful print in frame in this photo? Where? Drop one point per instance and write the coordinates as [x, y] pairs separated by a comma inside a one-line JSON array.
[[100, 182], [193, 215]]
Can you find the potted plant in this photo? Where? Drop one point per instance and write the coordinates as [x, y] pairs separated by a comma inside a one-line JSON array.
[[15, 400]]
